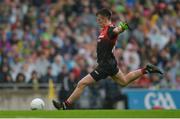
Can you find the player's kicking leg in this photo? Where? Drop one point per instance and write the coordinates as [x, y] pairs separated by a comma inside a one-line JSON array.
[[124, 80], [87, 80]]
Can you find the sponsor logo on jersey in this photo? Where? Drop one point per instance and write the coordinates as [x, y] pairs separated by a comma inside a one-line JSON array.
[[96, 72]]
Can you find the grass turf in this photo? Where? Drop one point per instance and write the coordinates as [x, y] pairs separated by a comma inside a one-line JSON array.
[[92, 114]]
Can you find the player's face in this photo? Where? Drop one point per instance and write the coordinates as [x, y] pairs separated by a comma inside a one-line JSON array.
[[101, 20]]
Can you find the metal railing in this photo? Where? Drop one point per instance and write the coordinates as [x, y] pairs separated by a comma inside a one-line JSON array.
[[16, 86]]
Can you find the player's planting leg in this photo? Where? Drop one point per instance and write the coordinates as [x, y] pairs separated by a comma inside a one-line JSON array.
[[87, 80], [124, 80]]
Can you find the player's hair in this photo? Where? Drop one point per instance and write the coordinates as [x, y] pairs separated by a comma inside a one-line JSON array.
[[104, 12]]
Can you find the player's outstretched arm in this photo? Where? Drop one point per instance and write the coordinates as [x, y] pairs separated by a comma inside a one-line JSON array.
[[122, 26]]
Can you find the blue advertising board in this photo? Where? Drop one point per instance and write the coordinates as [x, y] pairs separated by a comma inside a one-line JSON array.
[[153, 99]]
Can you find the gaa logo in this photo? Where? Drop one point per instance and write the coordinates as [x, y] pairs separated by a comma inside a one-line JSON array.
[[159, 101]]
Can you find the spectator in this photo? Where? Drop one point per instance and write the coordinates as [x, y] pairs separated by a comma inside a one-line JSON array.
[[131, 57], [34, 80], [42, 64], [20, 78], [48, 76], [57, 65], [5, 76]]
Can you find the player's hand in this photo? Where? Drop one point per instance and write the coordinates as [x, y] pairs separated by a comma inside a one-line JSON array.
[[123, 25]]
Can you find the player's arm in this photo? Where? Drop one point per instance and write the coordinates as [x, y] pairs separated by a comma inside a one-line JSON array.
[[113, 31], [122, 26]]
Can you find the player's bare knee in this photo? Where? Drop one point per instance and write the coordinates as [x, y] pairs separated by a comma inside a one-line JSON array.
[[123, 82]]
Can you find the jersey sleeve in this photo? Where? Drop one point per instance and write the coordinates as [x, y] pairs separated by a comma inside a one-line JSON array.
[[111, 34]]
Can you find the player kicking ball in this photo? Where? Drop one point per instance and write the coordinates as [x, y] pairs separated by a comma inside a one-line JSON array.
[[107, 65]]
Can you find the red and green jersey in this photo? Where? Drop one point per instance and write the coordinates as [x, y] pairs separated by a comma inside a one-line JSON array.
[[105, 43]]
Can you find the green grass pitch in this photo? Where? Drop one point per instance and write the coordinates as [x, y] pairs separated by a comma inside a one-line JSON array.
[[92, 114]]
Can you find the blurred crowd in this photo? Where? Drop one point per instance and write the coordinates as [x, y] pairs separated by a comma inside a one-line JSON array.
[[42, 40]]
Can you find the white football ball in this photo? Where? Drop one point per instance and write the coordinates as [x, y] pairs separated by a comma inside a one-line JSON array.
[[37, 104]]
